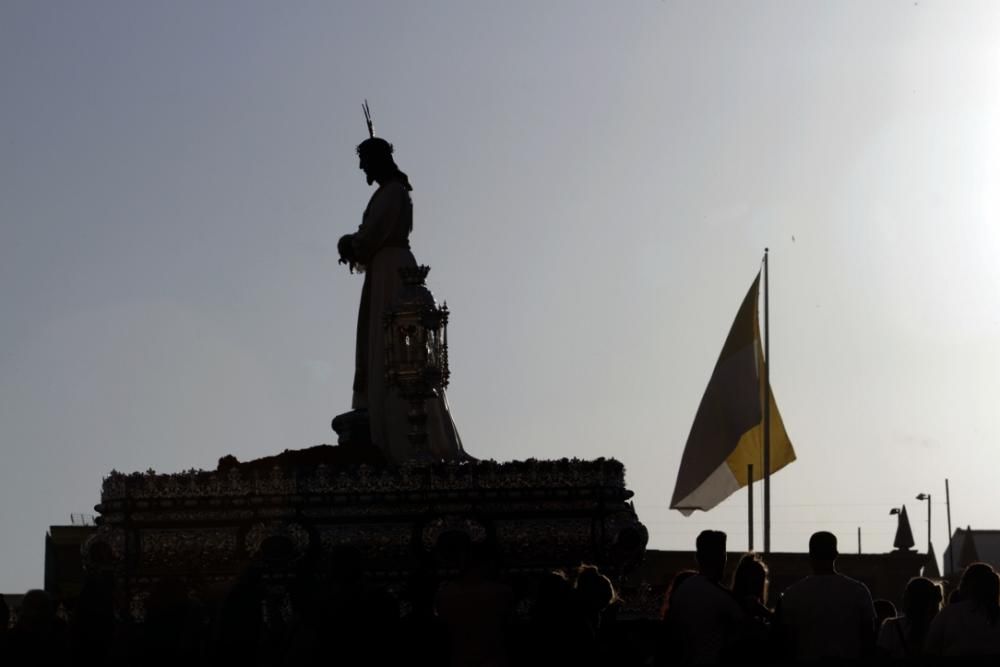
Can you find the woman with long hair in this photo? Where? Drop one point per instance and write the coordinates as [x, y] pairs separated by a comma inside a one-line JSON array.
[[903, 636], [970, 627], [750, 583], [749, 588], [669, 645]]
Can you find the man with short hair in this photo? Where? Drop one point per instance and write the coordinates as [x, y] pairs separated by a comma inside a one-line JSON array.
[[706, 615], [826, 615]]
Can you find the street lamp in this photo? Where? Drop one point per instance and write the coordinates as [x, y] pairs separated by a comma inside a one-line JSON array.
[[927, 497]]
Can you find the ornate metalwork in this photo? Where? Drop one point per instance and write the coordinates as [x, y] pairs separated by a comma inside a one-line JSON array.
[[434, 529], [375, 541], [568, 474], [416, 352], [202, 526], [297, 536], [187, 546]]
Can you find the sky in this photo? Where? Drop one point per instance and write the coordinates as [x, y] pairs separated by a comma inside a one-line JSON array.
[[594, 186]]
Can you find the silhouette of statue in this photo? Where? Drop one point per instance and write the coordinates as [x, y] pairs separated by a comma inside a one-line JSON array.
[[380, 248]]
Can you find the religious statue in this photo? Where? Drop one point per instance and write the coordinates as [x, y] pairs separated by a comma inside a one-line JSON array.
[[379, 249]]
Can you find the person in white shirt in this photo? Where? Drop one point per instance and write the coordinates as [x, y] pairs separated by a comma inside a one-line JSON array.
[[826, 616], [707, 617]]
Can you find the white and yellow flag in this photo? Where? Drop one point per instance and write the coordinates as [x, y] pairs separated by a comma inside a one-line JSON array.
[[728, 430]]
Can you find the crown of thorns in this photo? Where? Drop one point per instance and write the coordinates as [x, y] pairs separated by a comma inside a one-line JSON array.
[[373, 145]]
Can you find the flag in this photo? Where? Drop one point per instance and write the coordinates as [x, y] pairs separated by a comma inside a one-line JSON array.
[[728, 429]]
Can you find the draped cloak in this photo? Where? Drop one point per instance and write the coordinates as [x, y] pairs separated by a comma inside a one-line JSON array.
[[382, 246]]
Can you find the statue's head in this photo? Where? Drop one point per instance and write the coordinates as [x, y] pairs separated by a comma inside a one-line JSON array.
[[375, 159]]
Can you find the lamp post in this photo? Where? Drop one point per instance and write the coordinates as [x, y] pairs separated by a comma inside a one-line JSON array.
[[927, 497], [416, 351]]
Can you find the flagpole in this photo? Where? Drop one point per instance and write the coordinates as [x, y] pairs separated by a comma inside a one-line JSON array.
[[767, 417], [951, 548], [750, 507]]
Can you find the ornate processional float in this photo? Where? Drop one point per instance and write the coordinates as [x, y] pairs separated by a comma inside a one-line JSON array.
[[398, 491]]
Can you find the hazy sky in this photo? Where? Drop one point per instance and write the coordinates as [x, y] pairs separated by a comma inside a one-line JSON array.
[[594, 184]]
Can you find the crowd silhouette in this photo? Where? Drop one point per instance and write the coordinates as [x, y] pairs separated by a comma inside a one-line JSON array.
[[474, 617], [825, 617]]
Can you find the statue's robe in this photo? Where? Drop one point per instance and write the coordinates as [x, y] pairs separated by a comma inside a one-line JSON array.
[[381, 245]]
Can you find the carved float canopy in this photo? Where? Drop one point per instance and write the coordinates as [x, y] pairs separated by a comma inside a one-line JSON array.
[[209, 526]]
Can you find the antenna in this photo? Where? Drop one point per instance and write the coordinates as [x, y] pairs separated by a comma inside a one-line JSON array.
[[368, 119]]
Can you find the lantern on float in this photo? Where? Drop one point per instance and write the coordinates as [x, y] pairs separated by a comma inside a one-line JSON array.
[[416, 351]]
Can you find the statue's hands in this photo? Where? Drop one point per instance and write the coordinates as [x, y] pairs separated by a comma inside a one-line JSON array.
[[345, 248]]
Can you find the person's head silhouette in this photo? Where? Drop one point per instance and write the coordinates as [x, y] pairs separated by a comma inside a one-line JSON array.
[[596, 592], [750, 578], [823, 552], [921, 603], [981, 585], [710, 548]]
